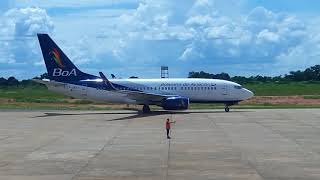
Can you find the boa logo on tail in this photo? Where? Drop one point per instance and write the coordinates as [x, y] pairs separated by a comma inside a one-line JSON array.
[[56, 56]]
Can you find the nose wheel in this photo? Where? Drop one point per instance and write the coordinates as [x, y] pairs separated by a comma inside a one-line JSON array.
[[226, 108], [146, 109]]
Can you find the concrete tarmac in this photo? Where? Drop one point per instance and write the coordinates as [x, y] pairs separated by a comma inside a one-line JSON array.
[[205, 144]]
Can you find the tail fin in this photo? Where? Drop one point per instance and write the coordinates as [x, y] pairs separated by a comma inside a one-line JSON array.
[[59, 66]]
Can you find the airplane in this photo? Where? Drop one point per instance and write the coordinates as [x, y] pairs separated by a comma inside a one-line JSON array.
[[168, 93]]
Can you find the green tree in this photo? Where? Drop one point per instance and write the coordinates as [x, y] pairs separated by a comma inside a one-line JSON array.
[[12, 81]]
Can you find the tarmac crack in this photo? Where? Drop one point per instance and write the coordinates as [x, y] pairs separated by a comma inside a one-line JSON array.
[[168, 154], [168, 160], [109, 142], [229, 139], [294, 140], [4, 138]]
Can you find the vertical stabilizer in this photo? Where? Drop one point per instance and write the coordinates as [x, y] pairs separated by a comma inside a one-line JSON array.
[[59, 66]]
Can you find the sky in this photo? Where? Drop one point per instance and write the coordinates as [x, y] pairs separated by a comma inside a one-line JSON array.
[[136, 37]]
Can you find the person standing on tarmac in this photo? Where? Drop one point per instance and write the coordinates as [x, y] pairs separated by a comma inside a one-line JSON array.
[[168, 127]]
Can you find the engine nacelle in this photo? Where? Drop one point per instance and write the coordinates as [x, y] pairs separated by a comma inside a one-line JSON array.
[[175, 103]]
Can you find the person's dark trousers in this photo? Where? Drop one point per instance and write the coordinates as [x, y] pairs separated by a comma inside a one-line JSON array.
[[168, 131]]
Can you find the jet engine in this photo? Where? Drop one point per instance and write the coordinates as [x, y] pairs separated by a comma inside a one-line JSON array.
[[175, 103]]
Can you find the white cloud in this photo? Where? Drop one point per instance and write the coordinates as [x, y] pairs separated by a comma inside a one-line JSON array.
[[72, 4], [199, 20], [267, 36], [28, 21], [190, 53], [18, 32], [203, 33], [168, 32]]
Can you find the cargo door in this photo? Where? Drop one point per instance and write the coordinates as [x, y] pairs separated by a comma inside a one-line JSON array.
[[84, 90]]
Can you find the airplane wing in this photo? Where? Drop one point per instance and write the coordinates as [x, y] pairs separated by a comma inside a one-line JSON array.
[[142, 97]]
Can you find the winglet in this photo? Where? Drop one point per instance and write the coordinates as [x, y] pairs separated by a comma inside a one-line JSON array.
[[107, 82]]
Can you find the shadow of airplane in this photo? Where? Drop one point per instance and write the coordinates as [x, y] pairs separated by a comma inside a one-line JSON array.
[[133, 114]]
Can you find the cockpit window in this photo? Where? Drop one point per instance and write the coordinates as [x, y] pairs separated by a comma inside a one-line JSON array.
[[238, 87]]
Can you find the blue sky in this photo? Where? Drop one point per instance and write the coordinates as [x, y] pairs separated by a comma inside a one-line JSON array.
[[135, 37]]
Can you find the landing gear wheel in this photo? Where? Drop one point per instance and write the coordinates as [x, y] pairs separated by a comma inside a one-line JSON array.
[[146, 109], [226, 109]]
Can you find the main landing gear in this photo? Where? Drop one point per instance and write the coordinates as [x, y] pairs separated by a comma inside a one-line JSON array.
[[146, 109]]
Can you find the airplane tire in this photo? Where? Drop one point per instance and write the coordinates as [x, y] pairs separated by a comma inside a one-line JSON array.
[[146, 109], [226, 109]]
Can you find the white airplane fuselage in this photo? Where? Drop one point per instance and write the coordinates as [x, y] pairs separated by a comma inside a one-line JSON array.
[[197, 90]]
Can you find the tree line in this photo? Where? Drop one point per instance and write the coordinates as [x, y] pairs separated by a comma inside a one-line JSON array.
[[12, 81], [309, 74]]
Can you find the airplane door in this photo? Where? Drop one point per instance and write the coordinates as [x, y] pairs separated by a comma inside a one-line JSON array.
[[225, 90], [84, 90]]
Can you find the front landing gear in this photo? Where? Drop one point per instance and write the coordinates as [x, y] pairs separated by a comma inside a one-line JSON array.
[[226, 108], [146, 109]]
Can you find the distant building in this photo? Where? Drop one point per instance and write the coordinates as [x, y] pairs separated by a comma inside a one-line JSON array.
[[164, 72]]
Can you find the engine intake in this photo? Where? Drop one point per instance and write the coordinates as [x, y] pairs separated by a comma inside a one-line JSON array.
[[175, 103]]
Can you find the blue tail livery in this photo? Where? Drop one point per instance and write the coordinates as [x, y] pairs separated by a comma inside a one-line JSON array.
[[59, 66]]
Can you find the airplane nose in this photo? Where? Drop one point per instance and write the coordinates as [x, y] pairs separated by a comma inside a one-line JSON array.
[[248, 94]]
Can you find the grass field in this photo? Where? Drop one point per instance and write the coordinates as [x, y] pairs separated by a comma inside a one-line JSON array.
[[311, 97], [52, 106], [288, 89], [31, 94], [38, 97], [253, 106]]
